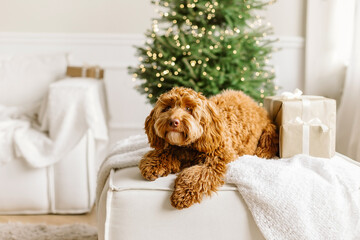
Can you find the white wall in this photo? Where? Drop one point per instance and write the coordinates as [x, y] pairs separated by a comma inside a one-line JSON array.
[[118, 16], [104, 32]]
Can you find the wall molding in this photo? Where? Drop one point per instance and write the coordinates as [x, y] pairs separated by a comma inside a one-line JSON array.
[[108, 38], [71, 38]]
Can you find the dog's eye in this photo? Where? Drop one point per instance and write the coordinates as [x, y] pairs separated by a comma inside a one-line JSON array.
[[166, 109], [188, 109]]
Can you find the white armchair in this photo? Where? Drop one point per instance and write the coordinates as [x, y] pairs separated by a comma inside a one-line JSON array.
[[48, 164]]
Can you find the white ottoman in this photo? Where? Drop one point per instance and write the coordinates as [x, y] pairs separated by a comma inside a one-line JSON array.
[[132, 208]]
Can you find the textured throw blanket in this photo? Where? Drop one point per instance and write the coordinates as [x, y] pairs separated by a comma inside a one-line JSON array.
[[42, 137], [296, 198]]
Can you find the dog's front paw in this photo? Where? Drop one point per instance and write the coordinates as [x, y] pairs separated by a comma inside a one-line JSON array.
[[187, 188], [151, 170]]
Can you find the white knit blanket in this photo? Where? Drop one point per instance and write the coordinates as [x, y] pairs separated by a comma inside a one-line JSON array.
[[296, 198]]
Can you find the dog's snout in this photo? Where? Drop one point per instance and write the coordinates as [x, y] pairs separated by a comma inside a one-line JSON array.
[[174, 123]]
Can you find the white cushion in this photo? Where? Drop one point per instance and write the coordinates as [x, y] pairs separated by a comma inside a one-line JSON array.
[[132, 208], [24, 80]]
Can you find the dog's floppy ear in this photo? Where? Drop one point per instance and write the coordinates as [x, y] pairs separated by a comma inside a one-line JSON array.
[[213, 128], [154, 140]]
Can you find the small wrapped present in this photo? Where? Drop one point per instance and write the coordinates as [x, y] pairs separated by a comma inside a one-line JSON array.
[[85, 71], [307, 123]]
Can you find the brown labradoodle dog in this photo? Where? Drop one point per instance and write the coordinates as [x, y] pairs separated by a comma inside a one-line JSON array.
[[196, 137]]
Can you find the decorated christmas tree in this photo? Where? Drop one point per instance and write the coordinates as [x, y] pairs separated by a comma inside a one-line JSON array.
[[207, 45]]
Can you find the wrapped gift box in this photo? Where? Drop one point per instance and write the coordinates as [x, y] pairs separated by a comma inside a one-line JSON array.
[[85, 71], [307, 124]]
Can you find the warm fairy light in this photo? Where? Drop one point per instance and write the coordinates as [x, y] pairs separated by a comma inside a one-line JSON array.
[[162, 79], [211, 47], [146, 89], [204, 73], [234, 52], [157, 74], [229, 46], [159, 85], [182, 6], [242, 79], [150, 95], [218, 68], [193, 63]]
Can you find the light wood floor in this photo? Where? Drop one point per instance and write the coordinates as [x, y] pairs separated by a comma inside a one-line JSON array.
[[89, 218]]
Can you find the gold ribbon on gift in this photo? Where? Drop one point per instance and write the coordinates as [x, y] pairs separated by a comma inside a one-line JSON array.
[[306, 131]]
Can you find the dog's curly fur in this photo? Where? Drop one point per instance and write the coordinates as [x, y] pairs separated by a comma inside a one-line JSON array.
[[196, 137]]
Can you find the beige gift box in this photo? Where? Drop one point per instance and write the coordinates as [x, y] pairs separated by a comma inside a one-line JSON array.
[[307, 124]]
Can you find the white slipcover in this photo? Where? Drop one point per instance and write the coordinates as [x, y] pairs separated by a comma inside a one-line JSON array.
[[65, 187], [134, 209]]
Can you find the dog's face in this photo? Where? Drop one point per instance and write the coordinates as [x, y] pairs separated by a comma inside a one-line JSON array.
[[180, 117], [177, 116]]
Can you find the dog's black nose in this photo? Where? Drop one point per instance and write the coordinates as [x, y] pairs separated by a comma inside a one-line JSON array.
[[174, 123]]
